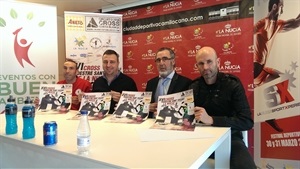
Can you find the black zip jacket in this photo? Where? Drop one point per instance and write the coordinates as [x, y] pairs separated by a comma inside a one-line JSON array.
[[225, 101]]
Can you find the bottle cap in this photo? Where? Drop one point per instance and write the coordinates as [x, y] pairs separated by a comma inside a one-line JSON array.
[[83, 112], [28, 100], [11, 99]]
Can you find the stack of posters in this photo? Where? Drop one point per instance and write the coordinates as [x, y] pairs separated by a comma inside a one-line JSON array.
[[55, 97], [133, 107], [96, 103], [175, 112]]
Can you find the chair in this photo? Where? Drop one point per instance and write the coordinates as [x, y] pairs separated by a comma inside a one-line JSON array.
[[245, 137], [210, 163]]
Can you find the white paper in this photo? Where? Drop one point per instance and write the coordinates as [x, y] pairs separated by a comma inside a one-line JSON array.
[[162, 135]]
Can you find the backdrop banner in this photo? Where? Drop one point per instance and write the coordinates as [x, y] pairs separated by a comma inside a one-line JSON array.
[[186, 26], [28, 49], [88, 36], [277, 84]]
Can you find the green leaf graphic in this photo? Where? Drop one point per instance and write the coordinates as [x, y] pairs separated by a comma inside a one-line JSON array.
[[30, 16], [13, 13], [2, 22], [41, 24]]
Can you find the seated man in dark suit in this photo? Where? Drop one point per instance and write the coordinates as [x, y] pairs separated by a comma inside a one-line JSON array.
[[168, 81]]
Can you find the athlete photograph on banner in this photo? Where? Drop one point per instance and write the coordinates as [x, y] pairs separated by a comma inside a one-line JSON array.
[[276, 82]]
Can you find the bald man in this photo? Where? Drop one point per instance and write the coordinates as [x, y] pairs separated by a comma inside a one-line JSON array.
[[220, 101]]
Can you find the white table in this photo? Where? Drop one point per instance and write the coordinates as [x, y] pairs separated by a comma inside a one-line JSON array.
[[113, 145]]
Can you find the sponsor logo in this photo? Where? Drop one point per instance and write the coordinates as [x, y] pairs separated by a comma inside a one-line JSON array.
[[228, 49], [178, 70], [130, 70], [149, 10], [172, 6], [149, 69], [223, 12], [103, 23], [149, 39], [192, 52], [229, 67], [130, 14], [130, 42], [228, 30], [21, 44], [198, 2], [173, 37], [195, 69], [149, 55], [74, 23], [95, 43], [129, 55], [79, 43], [144, 85]]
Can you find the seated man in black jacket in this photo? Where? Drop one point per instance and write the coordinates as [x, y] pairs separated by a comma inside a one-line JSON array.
[[113, 80], [168, 81], [220, 100]]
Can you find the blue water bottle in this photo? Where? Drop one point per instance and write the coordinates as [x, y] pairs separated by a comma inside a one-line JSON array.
[[28, 114], [11, 110]]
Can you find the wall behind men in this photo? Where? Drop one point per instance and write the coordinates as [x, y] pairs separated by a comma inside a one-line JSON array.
[[186, 26]]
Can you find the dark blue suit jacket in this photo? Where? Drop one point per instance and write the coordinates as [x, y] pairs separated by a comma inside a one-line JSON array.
[[178, 83]]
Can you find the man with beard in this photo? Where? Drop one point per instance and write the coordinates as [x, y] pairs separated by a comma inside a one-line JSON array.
[[220, 101], [168, 81]]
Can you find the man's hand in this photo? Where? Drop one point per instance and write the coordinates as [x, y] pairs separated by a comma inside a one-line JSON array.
[[153, 107], [36, 102], [115, 96], [201, 115]]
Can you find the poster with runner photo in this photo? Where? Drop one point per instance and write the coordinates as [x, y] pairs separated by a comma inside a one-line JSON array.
[[175, 112], [96, 103], [55, 97], [133, 107]]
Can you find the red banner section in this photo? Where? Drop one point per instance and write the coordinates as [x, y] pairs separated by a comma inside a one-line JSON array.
[[286, 142], [186, 26]]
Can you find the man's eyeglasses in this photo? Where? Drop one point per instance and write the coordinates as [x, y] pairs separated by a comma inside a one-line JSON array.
[[162, 59]]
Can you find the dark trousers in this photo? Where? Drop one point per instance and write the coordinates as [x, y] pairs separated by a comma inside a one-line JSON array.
[[240, 158]]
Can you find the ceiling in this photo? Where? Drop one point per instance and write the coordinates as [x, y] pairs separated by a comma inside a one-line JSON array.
[[90, 5]]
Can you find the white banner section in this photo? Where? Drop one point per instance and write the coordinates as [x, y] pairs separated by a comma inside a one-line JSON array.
[[88, 36], [28, 49]]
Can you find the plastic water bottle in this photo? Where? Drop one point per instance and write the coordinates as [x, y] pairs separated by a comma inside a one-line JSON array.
[[11, 110], [83, 133], [28, 114]]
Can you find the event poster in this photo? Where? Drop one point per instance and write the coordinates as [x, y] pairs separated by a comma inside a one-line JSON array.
[[277, 83], [28, 49], [96, 103], [175, 112], [88, 36], [54, 96], [133, 107]]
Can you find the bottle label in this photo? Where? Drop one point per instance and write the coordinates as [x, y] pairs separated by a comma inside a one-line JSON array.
[[11, 109], [28, 112], [83, 141]]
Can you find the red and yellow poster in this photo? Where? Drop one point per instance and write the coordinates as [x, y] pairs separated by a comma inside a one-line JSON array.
[[276, 82]]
